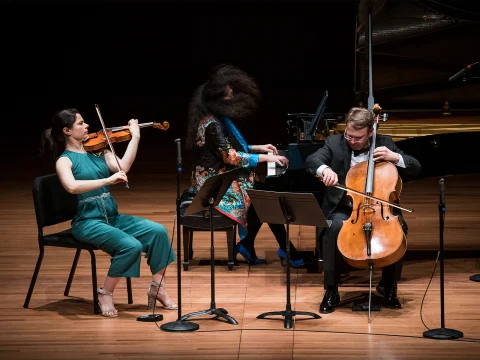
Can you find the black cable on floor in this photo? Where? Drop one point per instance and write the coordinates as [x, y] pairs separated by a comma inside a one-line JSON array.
[[425, 294], [338, 332]]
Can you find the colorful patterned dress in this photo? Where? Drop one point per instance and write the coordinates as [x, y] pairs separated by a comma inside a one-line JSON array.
[[219, 148]]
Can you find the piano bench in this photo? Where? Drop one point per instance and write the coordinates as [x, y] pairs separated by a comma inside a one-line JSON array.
[[201, 222]]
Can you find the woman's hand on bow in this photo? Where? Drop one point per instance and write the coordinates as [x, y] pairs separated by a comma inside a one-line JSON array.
[[118, 177]]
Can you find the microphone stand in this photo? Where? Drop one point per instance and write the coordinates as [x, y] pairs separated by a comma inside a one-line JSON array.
[[462, 72], [442, 333], [179, 325]]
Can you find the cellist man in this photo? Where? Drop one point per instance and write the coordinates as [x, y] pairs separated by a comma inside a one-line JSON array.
[[331, 163]]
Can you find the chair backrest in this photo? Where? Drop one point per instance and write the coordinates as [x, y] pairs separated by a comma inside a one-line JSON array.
[[185, 200], [53, 204]]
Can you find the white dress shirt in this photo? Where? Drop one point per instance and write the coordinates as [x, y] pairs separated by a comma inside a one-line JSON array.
[[354, 160]]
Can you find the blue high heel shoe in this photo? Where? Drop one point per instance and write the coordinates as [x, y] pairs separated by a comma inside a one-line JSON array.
[[240, 249], [293, 263]]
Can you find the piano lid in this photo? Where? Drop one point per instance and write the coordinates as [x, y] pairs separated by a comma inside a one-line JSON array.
[[403, 124], [416, 47]]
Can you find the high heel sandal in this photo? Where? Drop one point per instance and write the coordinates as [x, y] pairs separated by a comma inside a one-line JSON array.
[[293, 263], [152, 297], [106, 311]]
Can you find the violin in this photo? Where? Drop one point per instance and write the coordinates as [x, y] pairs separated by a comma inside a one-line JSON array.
[[97, 141], [372, 236]]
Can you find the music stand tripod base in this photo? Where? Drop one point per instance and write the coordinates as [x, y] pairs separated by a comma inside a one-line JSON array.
[[220, 313], [288, 314]]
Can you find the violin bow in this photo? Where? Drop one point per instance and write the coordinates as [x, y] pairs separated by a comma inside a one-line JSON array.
[[338, 186], [109, 143]]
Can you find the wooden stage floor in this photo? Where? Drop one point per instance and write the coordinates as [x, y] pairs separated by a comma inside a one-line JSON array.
[[59, 327]]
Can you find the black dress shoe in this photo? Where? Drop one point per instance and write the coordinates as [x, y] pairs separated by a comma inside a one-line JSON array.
[[390, 299], [330, 300]]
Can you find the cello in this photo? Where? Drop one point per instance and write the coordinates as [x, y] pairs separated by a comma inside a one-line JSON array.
[[372, 236]]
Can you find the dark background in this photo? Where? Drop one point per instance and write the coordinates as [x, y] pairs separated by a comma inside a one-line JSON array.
[[144, 59]]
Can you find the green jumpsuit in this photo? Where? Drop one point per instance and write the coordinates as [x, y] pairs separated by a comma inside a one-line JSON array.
[[124, 237]]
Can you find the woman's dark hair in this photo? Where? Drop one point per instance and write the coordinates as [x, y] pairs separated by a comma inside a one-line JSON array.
[[53, 140], [209, 98]]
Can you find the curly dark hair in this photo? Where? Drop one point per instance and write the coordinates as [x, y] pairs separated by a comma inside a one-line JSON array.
[[209, 98]]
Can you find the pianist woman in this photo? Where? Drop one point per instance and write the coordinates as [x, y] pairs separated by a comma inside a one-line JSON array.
[[228, 98]]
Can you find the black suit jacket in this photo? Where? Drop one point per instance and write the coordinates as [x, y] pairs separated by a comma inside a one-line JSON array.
[[336, 153]]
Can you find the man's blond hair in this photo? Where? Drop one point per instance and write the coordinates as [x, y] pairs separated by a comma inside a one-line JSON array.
[[359, 118]]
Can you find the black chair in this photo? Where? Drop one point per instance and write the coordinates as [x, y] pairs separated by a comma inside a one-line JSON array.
[[201, 222], [54, 205]]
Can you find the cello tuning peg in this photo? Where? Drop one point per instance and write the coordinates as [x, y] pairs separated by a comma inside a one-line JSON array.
[[376, 109]]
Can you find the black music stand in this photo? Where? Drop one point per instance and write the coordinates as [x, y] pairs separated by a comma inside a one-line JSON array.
[[287, 208], [209, 195]]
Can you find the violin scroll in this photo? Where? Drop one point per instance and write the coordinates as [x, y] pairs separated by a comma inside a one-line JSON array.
[[162, 126]]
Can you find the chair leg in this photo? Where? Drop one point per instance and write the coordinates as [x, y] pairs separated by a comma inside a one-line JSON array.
[[319, 232], [186, 248], [231, 234], [96, 308], [234, 236], [72, 272], [34, 278], [190, 244], [129, 290]]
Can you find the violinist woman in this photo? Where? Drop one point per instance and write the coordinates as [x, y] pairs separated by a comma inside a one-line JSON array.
[[331, 163], [97, 220]]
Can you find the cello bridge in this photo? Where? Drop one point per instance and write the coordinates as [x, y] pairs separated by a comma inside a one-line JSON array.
[[368, 209]]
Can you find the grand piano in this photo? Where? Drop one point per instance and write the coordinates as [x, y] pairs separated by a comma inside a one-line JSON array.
[[446, 148], [304, 130], [433, 118]]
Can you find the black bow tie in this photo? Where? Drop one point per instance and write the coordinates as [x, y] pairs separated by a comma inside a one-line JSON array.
[[358, 152]]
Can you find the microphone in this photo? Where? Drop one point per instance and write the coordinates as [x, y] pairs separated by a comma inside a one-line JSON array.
[[453, 77], [179, 154], [442, 192]]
